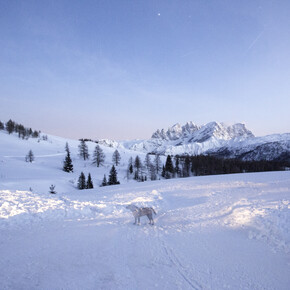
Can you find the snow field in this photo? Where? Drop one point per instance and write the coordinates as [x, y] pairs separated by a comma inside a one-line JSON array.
[[213, 232]]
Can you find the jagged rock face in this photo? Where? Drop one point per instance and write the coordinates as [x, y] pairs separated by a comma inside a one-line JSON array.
[[175, 132], [193, 133], [219, 139]]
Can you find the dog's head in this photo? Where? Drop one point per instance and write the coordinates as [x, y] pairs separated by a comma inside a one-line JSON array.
[[132, 207]]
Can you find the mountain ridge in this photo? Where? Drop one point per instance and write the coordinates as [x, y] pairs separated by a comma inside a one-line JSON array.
[[214, 138]]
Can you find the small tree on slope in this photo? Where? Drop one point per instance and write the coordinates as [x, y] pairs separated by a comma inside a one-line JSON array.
[[98, 156], [113, 179], [67, 164], [104, 182], [89, 182], [82, 181], [29, 157], [116, 158], [83, 150]]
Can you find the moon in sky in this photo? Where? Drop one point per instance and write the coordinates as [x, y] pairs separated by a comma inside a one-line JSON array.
[[158, 14]]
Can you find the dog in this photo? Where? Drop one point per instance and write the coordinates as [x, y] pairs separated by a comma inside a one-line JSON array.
[[141, 211]]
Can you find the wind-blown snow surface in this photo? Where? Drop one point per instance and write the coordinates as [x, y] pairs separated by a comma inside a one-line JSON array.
[[214, 232]]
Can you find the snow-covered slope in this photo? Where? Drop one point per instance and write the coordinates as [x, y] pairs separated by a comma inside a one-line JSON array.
[[214, 232], [218, 232], [49, 157], [232, 141], [272, 147]]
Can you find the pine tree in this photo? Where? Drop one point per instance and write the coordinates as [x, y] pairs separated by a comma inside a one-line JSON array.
[[89, 182], [113, 176], [29, 157], [35, 134], [98, 156], [157, 162], [66, 147], [82, 181], [186, 167], [83, 150], [153, 175], [116, 158], [104, 182], [137, 163], [67, 164], [10, 126], [176, 168], [163, 171], [51, 189], [131, 168], [1, 126], [138, 166], [147, 162], [168, 165], [136, 175], [130, 165]]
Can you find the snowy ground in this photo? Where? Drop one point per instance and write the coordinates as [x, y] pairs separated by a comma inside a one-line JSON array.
[[214, 232]]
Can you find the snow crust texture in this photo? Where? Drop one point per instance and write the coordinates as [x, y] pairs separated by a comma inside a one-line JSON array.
[[215, 232]]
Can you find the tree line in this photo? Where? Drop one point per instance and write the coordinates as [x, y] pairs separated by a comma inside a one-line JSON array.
[[152, 168], [185, 166], [22, 131]]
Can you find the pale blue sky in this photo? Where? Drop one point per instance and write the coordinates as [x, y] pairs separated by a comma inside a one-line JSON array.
[[122, 69]]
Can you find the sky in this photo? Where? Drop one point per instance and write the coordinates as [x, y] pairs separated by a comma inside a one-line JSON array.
[[122, 69]]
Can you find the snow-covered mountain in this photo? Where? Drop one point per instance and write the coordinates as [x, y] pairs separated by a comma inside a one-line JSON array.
[[219, 139], [85, 239]]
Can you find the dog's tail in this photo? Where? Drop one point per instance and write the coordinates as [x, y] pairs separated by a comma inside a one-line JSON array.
[[153, 210]]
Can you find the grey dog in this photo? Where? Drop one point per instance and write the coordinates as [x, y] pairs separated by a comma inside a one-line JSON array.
[[141, 211]]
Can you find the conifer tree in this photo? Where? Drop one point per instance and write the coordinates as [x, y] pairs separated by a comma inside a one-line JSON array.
[[176, 168], [83, 150], [82, 181], [52, 189], [66, 147], [163, 171], [137, 163], [104, 182], [10, 126], [158, 164], [130, 165], [168, 165], [29, 157], [116, 158], [98, 156], [113, 179], [131, 169], [1, 126], [67, 164], [35, 134], [186, 167], [89, 182], [147, 162], [138, 166], [153, 175]]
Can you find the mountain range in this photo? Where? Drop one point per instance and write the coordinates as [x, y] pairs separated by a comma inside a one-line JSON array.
[[217, 139]]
